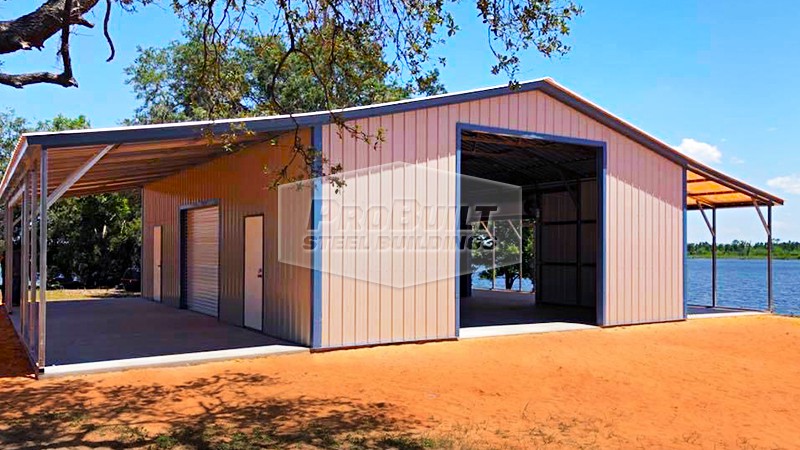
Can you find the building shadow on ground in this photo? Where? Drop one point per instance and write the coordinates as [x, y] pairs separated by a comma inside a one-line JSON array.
[[208, 412]]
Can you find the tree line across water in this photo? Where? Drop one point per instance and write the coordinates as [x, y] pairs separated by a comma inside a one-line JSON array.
[[746, 250]]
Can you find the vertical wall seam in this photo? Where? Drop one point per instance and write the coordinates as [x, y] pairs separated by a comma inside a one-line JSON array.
[[316, 218], [685, 250]]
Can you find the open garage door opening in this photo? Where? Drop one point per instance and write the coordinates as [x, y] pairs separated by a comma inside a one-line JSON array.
[[538, 265]]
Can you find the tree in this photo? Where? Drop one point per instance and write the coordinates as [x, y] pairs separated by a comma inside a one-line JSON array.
[[170, 83], [11, 127], [311, 33], [410, 29], [95, 238], [169, 80], [506, 252]]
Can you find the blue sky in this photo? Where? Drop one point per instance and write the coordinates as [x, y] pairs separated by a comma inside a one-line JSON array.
[[718, 76]]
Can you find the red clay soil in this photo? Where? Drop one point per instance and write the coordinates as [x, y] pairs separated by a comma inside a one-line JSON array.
[[714, 383]]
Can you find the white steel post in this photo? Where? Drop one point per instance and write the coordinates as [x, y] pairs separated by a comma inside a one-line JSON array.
[[43, 256], [30, 281], [8, 293], [23, 268], [32, 264]]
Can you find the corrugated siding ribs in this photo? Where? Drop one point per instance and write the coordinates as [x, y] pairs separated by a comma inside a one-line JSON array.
[[239, 183], [643, 232]]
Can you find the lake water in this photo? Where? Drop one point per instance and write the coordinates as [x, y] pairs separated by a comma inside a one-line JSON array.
[[741, 283]]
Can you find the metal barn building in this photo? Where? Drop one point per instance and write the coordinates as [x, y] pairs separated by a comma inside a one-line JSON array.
[[609, 203]]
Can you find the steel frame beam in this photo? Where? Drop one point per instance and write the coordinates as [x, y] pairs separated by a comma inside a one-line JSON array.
[[78, 173], [712, 228], [23, 268], [17, 196], [8, 281], [767, 223], [43, 207]]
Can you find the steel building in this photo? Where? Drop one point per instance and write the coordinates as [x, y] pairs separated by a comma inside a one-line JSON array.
[[610, 201]]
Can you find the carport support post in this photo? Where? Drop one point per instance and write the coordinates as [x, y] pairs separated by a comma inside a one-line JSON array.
[[8, 279], [768, 228], [32, 259], [770, 305], [713, 257], [712, 228], [42, 255], [23, 267]]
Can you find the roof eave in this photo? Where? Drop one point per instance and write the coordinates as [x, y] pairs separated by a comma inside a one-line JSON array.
[[16, 156]]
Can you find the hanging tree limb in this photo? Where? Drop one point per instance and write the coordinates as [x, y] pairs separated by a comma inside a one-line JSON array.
[[32, 30]]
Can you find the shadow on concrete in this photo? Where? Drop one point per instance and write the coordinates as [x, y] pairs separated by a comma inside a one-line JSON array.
[[121, 328]]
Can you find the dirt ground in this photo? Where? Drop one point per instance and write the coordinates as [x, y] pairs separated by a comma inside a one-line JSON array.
[[730, 383]]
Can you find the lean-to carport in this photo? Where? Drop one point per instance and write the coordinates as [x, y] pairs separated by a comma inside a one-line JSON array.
[[48, 166], [709, 190]]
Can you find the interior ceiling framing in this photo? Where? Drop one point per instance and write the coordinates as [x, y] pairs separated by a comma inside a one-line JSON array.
[[715, 192], [523, 161], [132, 165]]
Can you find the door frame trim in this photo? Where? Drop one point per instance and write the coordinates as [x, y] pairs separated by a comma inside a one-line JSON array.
[[601, 163], [263, 271]]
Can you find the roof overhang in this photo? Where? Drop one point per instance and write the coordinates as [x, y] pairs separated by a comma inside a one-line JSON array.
[[100, 168], [706, 187], [149, 152]]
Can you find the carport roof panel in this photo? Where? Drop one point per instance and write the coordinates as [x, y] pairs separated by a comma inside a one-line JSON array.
[[130, 165], [708, 188]]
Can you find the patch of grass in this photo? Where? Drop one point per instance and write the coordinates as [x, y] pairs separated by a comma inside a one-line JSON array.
[[409, 442], [69, 418], [131, 435], [87, 294], [222, 438], [165, 442]]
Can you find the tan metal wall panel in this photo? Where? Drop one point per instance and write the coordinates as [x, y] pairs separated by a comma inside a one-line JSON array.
[[643, 234], [240, 184]]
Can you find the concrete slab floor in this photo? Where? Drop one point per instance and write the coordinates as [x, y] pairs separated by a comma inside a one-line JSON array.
[[493, 308], [126, 329], [503, 313], [708, 312], [510, 330]]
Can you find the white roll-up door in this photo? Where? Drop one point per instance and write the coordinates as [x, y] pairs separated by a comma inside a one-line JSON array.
[[202, 260]]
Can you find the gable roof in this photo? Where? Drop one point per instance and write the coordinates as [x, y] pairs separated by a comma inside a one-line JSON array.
[[271, 124]]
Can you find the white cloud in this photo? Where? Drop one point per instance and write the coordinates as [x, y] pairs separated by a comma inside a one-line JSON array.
[[701, 151], [789, 183], [736, 160]]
